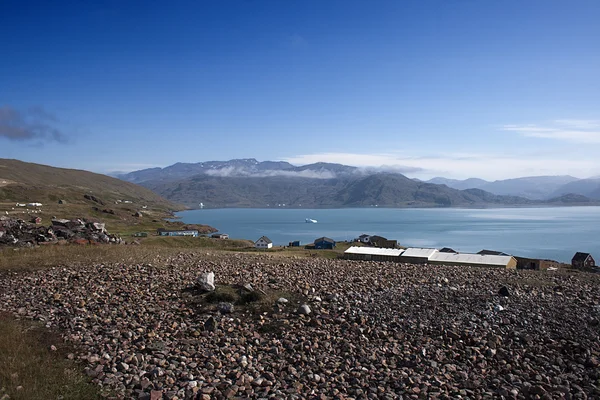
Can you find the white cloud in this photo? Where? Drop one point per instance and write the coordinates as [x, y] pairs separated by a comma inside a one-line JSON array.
[[232, 171], [488, 166], [571, 130]]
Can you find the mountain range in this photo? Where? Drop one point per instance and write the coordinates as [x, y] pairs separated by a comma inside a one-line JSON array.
[[533, 187], [250, 183]]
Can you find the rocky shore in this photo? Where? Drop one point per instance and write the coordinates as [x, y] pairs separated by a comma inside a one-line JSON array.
[[323, 329]]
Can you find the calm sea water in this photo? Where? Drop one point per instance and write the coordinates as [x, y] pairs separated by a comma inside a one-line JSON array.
[[554, 233]]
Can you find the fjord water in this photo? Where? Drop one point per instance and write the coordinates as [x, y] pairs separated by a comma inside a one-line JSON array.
[[553, 233]]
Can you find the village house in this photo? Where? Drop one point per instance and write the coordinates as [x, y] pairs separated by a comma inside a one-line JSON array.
[[219, 236], [380, 241], [165, 232], [583, 260], [295, 243], [324, 243], [448, 250], [364, 238], [536, 264], [263, 243], [492, 253]]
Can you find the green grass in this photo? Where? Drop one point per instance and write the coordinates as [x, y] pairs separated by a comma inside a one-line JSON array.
[[30, 370]]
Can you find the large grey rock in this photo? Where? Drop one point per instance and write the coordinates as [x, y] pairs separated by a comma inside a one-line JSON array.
[[206, 281]]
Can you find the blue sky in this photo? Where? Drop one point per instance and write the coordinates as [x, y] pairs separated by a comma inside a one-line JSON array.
[[456, 88]]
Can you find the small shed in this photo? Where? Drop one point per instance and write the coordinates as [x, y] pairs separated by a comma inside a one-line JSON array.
[[582, 260], [295, 243], [219, 236], [324, 243], [164, 232], [263, 243]]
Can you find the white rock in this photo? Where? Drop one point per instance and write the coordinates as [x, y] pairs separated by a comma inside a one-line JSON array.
[[282, 300], [206, 281]]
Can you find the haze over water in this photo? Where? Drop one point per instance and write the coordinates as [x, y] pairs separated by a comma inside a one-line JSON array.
[[553, 233]]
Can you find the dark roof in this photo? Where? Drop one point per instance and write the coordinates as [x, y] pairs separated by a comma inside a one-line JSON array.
[[266, 239], [448, 250], [376, 238], [492, 253], [580, 256], [324, 239]]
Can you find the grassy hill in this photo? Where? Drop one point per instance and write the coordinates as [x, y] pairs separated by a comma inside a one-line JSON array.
[[27, 182], [108, 199]]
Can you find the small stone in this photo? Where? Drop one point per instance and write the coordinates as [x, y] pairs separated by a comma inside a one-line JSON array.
[[211, 324], [282, 300], [504, 291], [156, 395], [304, 309]]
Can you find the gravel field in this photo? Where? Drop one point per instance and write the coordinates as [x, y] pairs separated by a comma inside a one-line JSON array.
[[375, 330]]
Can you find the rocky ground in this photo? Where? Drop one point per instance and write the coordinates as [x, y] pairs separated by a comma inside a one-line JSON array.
[[375, 330], [19, 233]]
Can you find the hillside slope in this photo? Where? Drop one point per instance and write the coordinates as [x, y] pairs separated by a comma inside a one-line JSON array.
[[28, 182]]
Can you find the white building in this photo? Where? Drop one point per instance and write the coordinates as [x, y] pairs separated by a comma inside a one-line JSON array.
[[263, 243], [372, 254]]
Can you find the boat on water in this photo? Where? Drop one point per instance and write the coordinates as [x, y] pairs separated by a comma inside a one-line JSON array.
[[310, 221]]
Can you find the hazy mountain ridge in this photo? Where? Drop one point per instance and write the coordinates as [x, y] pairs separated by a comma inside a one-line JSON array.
[[384, 190], [250, 183], [532, 187], [248, 167]]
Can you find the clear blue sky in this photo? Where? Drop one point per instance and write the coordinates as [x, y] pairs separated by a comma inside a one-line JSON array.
[[457, 88]]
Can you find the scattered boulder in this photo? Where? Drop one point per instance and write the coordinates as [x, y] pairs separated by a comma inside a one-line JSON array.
[[206, 282], [138, 214], [304, 309], [225, 308], [18, 233], [93, 198], [282, 300], [211, 324]]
